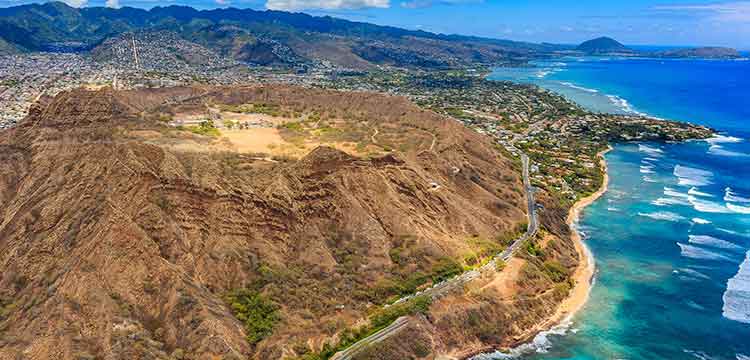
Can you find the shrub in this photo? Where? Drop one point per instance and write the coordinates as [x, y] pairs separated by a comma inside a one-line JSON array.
[[555, 271], [258, 314], [205, 128], [386, 316], [293, 126], [533, 249], [499, 265]]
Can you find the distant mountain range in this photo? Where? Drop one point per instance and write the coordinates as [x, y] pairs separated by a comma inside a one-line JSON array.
[[263, 37], [274, 38]]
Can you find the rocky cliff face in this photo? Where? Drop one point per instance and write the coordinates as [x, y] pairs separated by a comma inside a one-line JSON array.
[[114, 246]]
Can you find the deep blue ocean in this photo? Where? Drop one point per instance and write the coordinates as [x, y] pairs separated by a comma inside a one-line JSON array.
[[671, 236]]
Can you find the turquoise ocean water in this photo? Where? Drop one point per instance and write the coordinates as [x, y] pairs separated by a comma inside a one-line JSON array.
[[671, 236]]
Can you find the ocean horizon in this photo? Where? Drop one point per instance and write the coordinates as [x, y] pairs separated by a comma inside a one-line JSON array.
[[671, 236]]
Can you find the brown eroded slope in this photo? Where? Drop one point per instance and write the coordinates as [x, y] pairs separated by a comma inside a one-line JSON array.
[[115, 244]]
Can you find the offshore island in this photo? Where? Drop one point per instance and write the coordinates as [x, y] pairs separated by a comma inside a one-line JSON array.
[[315, 210]]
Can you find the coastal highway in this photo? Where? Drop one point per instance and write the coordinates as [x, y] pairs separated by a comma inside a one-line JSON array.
[[436, 291]]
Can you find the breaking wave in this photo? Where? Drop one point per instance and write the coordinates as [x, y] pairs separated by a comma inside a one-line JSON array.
[[665, 201], [737, 296], [700, 221], [706, 206], [721, 151], [738, 209], [717, 149], [712, 242], [574, 86], [694, 191], [721, 139], [540, 344], [623, 105], [650, 150], [663, 215], [668, 191], [688, 176], [693, 273], [694, 252], [730, 195]]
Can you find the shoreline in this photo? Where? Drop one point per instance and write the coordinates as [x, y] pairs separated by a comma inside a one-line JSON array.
[[583, 275]]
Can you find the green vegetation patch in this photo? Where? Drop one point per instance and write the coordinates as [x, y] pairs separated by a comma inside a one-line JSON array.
[[390, 289], [6, 307], [556, 271], [483, 250], [378, 320], [205, 128], [533, 249], [258, 314], [293, 126]]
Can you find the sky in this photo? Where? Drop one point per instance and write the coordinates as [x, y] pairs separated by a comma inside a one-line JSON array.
[[633, 22]]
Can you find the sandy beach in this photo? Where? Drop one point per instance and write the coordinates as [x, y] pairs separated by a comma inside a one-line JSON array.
[[584, 273]]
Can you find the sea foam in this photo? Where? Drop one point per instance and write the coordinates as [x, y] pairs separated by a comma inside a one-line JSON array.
[[668, 191], [650, 150], [663, 215], [574, 86], [665, 201], [720, 139], [540, 344], [623, 105], [689, 176], [695, 252], [738, 209], [713, 242], [700, 221], [693, 273], [721, 151], [706, 206], [717, 149], [730, 195], [737, 296], [694, 191]]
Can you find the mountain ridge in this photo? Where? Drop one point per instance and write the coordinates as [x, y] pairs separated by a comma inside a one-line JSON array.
[[55, 25]]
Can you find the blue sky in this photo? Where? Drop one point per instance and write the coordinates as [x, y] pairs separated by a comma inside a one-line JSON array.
[[634, 22]]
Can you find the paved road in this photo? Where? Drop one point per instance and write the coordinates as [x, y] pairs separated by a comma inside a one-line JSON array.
[[442, 288], [381, 335]]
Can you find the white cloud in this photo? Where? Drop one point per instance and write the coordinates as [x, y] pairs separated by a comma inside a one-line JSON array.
[[222, 2], [325, 4], [76, 3], [115, 4], [736, 11]]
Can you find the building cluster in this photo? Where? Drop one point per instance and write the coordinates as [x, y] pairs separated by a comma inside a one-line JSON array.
[[561, 138], [24, 78]]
